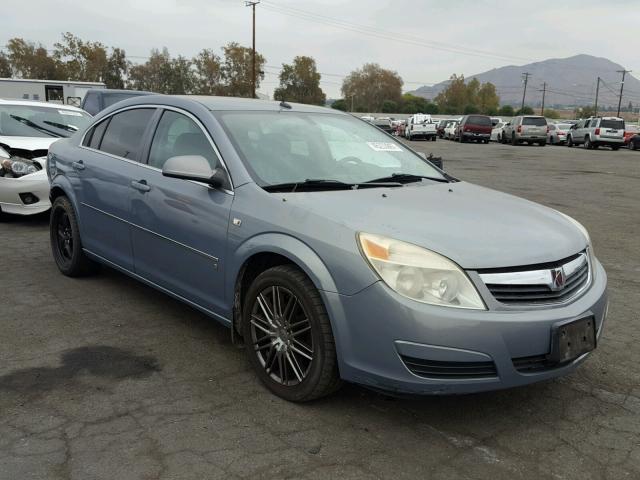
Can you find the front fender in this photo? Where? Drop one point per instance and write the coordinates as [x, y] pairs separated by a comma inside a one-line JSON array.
[[287, 246]]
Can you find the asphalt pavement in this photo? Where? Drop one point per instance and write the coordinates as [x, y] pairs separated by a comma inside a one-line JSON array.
[[105, 378]]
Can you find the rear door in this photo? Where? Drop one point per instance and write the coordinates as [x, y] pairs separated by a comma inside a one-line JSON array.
[[108, 166], [180, 226]]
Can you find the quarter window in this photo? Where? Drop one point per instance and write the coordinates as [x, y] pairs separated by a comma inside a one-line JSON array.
[[124, 133], [93, 138], [178, 135]]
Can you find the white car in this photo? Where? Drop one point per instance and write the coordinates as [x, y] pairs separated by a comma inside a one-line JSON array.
[[450, 129], [27, 130], [496, 132]]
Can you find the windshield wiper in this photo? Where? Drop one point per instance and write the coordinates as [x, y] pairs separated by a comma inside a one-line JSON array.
[[407, 178], [325, 184], [35, 126], [61, 126]]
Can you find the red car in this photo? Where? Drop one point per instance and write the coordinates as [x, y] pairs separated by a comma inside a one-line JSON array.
[[629, 132], [474, 127]]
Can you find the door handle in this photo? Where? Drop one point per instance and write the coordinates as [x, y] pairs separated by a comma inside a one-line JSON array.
[[140, 185], [79, 165]]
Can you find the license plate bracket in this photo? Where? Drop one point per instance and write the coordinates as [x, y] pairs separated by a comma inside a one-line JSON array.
[[571, 339]]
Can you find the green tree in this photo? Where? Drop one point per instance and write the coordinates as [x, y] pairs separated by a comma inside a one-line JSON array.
[[413, 104], [487, 99], [340, 104], [117, 69], [470, 109], [389, 106], [526, 110], [154, 74], [209, 75], [5, 66], [237, 70], [468, 97], [431, 108], [551, 113], [370, 86], [300, 82], [29, 60], [453, 99], [506, 111]]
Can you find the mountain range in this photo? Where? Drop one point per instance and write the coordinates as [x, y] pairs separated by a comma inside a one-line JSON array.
[[570, 82]]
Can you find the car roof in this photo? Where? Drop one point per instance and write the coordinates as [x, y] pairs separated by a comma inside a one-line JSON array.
[[102, 91], [32, 103], [248, 104]]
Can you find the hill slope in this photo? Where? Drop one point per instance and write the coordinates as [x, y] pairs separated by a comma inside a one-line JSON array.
[[570, 81]]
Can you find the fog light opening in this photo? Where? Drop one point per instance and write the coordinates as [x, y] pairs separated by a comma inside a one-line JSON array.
[[29, 198]]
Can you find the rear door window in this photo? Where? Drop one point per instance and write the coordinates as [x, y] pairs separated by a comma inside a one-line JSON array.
[[479, 120], [123, 136], [94, 137], [534, 121], [615, 124]]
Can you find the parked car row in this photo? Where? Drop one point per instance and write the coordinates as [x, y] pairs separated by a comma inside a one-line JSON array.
[[469, 128]]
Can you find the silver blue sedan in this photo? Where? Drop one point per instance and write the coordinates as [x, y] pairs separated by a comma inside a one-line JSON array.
[[334, 251]]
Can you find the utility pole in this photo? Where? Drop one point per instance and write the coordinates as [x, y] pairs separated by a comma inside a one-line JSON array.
[[623, 72], [352, 95], [525, 77], [544, 92], [595, 108], [253, 4]]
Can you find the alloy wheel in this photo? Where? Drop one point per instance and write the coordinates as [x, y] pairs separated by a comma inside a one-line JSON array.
[[281, 335], [64, 236]]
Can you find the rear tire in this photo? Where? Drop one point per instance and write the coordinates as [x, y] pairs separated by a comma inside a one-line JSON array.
[[569, 141], [615, 148], [66, 245], [587, 143], [542, 144], [288, 337], [514, 142]]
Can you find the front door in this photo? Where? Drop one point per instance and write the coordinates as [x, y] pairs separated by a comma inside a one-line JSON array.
[[180, 231]]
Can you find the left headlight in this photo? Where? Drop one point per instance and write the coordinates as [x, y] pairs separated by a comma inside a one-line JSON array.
[[418, 273], [20, 169]]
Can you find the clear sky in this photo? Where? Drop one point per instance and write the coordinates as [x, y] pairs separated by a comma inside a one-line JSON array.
[[425, 41]]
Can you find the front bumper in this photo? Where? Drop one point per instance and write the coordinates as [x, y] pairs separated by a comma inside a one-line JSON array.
[[376, 326], [35, 184]]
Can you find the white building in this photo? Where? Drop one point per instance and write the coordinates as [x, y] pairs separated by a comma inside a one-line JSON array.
[[54, 91]]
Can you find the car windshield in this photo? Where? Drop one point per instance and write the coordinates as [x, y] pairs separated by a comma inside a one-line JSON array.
[[282, 147], [534, 121], [617, 124], [37, 121]]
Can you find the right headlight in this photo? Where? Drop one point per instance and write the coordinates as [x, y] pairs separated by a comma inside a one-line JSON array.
[[418, 273]]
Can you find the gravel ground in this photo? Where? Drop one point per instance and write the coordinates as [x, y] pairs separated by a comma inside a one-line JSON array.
[[104, 378]]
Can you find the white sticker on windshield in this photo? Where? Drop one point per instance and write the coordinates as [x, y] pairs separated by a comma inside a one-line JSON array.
[[70, 113], [384, 146]]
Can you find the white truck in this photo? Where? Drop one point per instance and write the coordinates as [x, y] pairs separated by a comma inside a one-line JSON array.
[[53, 91], [420, 125]]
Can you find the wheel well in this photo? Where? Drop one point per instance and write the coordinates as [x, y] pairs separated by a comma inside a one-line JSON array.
[[55, 193], [252, 267]]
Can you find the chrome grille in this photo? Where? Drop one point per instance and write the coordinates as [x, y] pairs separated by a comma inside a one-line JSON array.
[[557, 282]]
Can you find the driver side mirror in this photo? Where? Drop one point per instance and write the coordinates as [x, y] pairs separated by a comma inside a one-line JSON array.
[[196, 168]]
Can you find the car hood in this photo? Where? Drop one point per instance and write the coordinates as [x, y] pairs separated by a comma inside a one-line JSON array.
[[476, 227], [28, 143]]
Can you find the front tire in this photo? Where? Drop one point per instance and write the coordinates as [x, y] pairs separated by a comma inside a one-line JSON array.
[[66, 245], [569, 141], [288, 335]]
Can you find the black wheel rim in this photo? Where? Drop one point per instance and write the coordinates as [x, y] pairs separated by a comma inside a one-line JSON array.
[[64, 236], [281, 335]]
